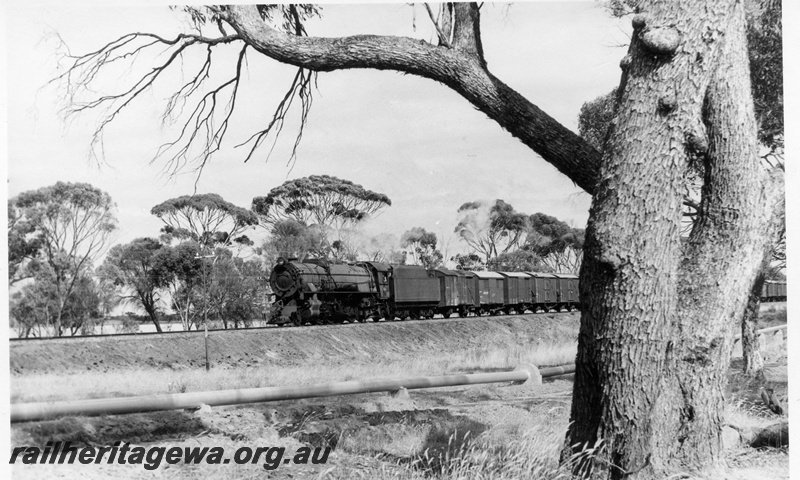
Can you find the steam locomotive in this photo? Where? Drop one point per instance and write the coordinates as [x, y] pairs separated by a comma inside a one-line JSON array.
[[318, 292]]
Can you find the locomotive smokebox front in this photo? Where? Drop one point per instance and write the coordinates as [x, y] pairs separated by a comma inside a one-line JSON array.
[[285, 280]]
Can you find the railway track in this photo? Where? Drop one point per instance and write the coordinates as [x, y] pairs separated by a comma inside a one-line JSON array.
[[223, 331]]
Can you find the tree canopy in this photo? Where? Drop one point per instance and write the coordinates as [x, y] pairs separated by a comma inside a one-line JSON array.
[[292, 239], [207, 218], [322, 200], [185, 268], [139, 267], [71, 224], [559, 246], [491, 228], [421, 244], [519, 261], [23, 245]]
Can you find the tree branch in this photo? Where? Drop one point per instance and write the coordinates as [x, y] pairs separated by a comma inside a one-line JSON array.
[[443, 36], [461, 69], [467, 30]]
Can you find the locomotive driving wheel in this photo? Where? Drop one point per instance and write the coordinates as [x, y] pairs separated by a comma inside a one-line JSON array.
[[295, 319]]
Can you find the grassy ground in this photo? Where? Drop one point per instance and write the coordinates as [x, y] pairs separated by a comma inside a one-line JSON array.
[[772, 314], [278, 348], [480, 432], [50, 387]]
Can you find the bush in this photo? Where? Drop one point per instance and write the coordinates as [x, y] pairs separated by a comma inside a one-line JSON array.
[[129, 324]]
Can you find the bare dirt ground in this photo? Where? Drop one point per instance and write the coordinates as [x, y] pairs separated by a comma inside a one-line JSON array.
[[371, 436]]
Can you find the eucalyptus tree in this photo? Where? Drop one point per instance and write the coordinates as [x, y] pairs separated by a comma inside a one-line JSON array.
[[206, 219], [651, 358], [23, 246], [72, 224], [421, 244], [137, 267], [328, 204], [491, 228], [764, 50], [185, 271], [211, 222], [36, 306], [237, 291], [559, 246], [292, 239], [519, 261]]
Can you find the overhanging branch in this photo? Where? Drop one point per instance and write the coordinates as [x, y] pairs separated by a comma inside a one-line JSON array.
[[461, 69]]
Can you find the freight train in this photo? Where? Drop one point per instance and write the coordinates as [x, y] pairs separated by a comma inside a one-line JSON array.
[[318, 292]]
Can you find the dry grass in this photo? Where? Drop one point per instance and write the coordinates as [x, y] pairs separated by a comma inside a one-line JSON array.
[[50, 387], [772, 314]]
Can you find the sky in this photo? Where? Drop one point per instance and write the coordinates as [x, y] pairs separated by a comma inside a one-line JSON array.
[[412, 139]]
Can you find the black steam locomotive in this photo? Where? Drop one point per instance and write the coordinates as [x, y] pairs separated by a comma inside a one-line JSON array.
[[318, 292]]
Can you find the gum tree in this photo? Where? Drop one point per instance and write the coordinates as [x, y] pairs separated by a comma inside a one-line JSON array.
[[136, 266], [72, 225], [657, 325], [324, 203], [559, 245], [206, 219], [421, 244], [491, 228], [764, 47]]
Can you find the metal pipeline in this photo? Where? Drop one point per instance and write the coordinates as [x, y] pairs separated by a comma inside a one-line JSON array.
[[554, 371], [23, 412]]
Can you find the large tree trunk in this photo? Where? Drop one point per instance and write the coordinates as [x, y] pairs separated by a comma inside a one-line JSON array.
[[657, 330], [753, 362], [751, 353]]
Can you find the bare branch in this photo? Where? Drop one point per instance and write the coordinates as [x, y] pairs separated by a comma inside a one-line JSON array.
[[458, 68], [443, 37], [85, 69], [461, 68], [300, 88]]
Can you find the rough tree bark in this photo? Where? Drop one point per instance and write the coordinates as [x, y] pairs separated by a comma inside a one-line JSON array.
[[657, 332], [657, 327], [753, 362]]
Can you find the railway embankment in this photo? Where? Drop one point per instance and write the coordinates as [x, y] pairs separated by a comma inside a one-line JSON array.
[[283, 347]]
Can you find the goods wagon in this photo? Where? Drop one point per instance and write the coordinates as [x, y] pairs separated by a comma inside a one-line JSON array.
[[567, 289], [517, 291], [489, 286], [457, 292], [545, 291], [773, 291]]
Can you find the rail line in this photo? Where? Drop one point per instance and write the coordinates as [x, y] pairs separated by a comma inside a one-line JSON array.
[[193, 333]]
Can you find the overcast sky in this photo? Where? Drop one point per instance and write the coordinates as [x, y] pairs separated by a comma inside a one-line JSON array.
[[412, 139]]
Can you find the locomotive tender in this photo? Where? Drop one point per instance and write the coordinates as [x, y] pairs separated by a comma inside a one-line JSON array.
[[319, 292]]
